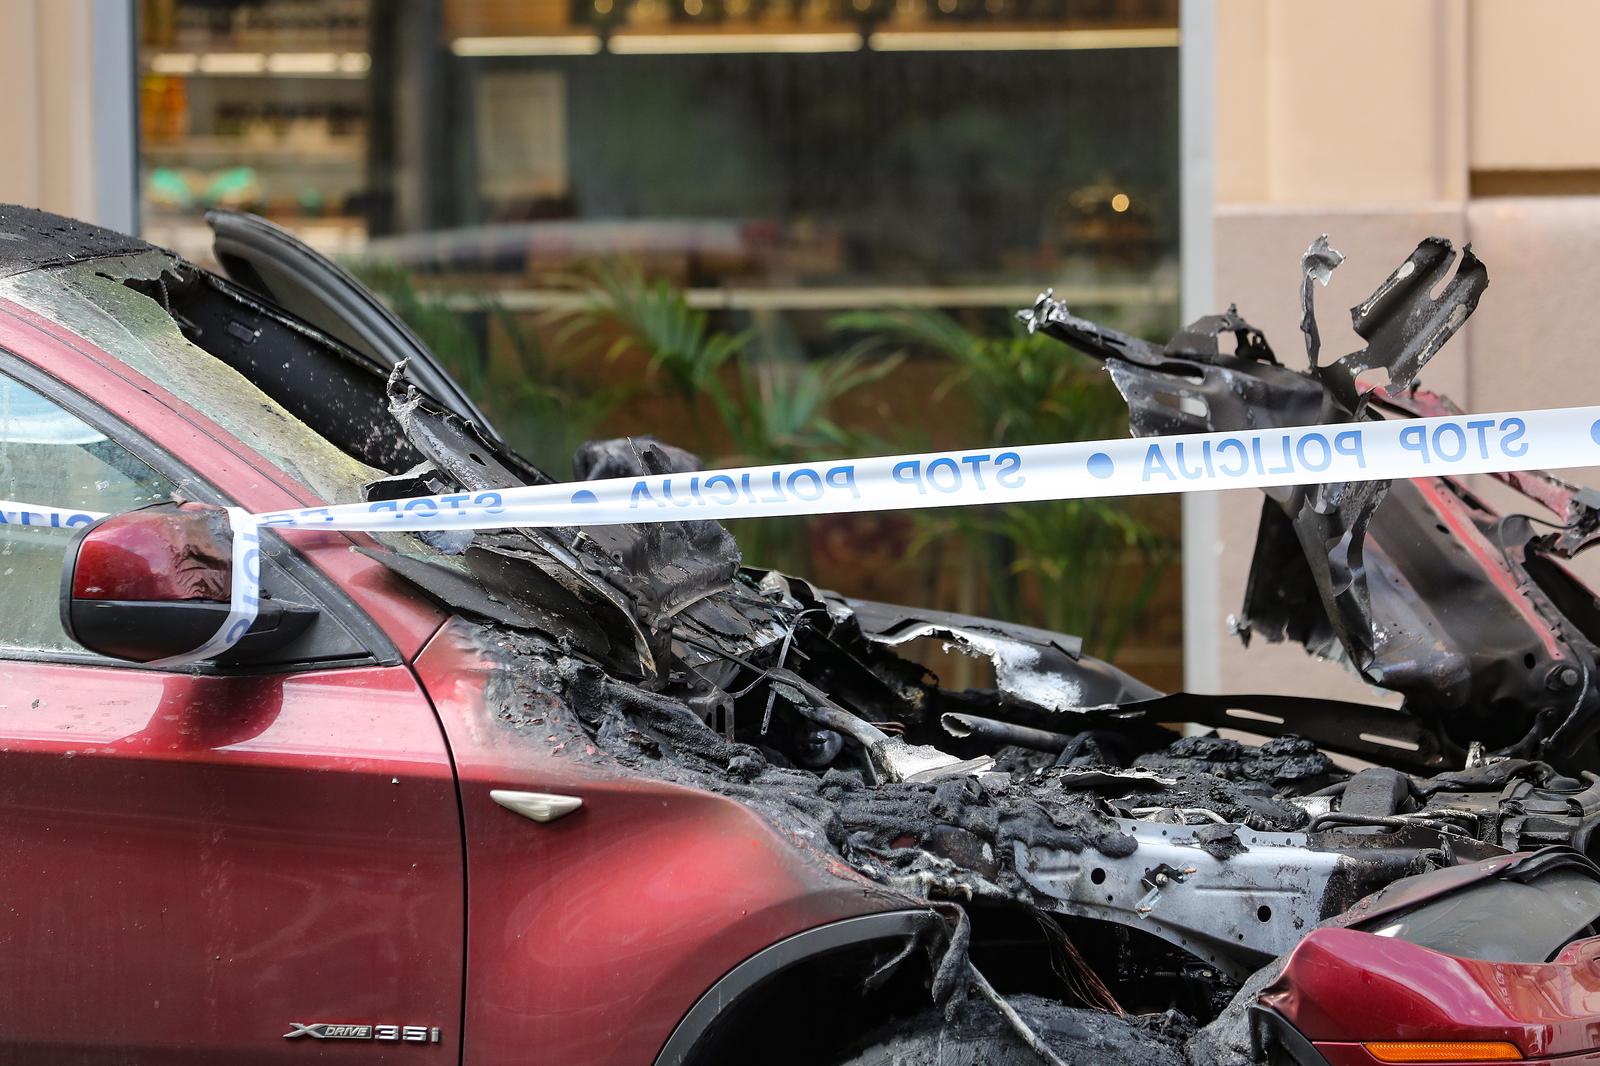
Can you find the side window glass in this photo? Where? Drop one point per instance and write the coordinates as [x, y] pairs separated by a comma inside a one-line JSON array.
[[52, 458]]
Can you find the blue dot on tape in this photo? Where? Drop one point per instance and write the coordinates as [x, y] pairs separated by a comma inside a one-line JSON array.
[[1594, 431], [584, 496], [1101, 466]]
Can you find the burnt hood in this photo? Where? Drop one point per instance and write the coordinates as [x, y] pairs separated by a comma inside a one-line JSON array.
[[1422, 586]]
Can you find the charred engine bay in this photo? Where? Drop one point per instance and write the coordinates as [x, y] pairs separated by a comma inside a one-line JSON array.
[[1165, 869]]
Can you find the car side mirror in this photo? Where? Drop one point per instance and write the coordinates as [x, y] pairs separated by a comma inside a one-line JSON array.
[[148, 584]]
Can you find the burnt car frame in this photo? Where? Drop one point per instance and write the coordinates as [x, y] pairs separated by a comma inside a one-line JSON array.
[[607, 795]]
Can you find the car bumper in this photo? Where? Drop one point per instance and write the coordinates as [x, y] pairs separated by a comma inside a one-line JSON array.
[[1342, 991]]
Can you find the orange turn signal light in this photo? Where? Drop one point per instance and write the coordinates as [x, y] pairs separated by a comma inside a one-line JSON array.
[[1444, 1051]]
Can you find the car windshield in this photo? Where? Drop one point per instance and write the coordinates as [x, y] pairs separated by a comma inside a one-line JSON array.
[[94, 301]]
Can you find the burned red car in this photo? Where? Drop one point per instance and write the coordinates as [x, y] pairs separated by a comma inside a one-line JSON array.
[[606, 795]]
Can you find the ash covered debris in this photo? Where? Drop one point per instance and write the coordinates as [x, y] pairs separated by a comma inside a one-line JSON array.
[[1169, 871], [975, 1035], [951, 837]]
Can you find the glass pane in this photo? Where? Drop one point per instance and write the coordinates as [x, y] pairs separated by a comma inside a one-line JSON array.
[[51, 458], [92, 301]]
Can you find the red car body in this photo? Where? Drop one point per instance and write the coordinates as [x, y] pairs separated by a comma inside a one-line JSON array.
[[228, 855], [1340, 986], [193, 868]]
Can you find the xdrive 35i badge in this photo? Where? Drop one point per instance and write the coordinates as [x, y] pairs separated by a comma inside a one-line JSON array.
[[394, 1034]]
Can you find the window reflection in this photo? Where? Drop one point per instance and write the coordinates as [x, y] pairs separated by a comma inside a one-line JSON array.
[[950, 146]]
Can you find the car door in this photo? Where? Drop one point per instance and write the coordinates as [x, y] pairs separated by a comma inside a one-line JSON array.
[[259, 864]]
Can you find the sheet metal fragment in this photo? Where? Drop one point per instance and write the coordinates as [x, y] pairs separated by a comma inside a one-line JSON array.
[[1317, 265]]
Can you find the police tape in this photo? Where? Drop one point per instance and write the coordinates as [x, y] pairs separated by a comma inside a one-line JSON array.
[[1448, 445], [1362, 451]]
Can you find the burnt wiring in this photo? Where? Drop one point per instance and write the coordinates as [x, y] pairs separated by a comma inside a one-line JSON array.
[[770, 674], [814, 704], [764, 673], [783, 655], [1015, 1020], [1077, 975]]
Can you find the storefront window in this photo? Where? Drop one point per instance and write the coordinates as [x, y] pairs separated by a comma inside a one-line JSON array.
[[923, 144], [261, 107], [545, 188]]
